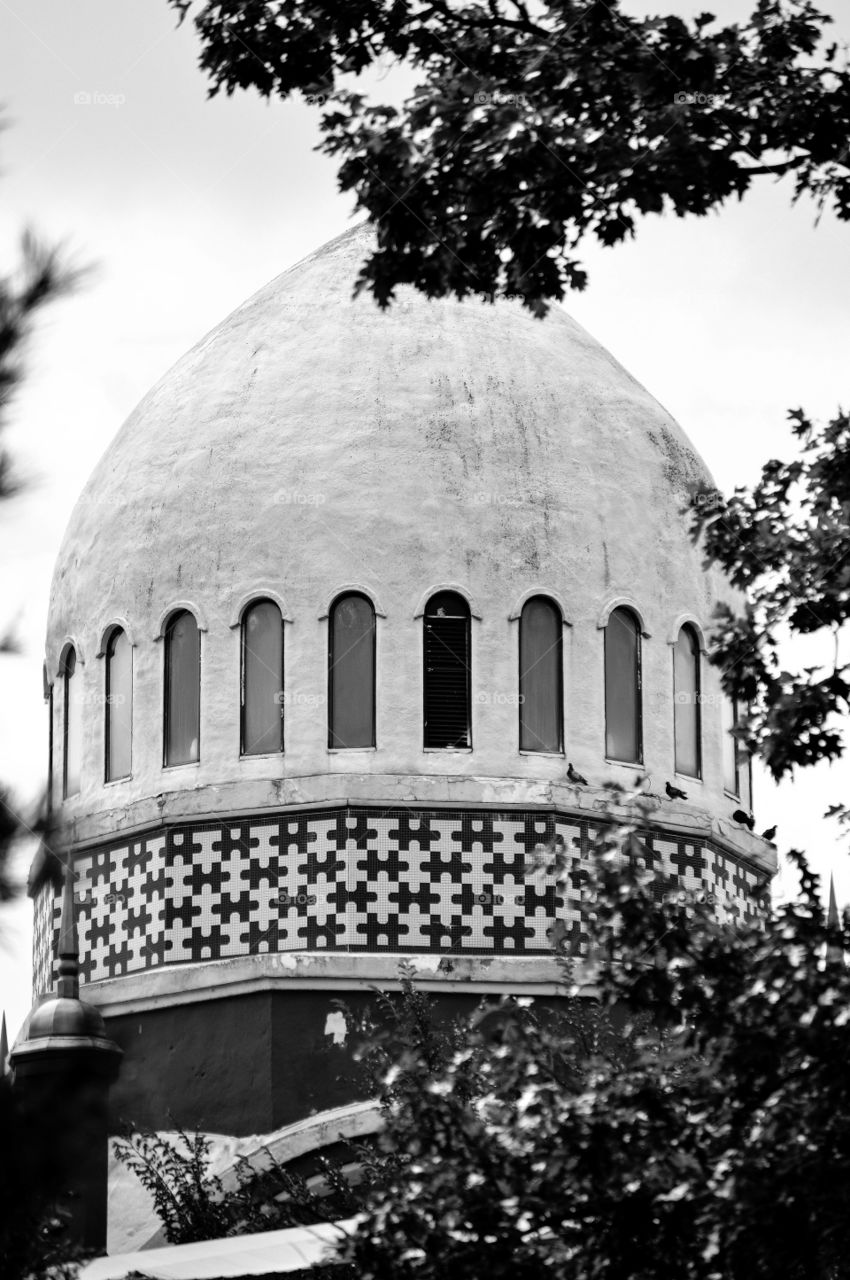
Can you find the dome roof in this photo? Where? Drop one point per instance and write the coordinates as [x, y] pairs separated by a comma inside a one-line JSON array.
[[64, 1016], [312, 442]]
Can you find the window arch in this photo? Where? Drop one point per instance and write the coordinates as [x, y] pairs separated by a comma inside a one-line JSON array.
[[686, 703], [447, 671], [119, 705], [262, 679], [72, 723], [351, 672], [182, 689], [623, 687], [541, 698]]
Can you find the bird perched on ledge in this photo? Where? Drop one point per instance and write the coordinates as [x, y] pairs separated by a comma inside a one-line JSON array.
[[575, 776], [744, 818], [674, 793], [769, 834]]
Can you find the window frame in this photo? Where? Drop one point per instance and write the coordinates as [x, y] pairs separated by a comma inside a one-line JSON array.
[[69, 652], [690, 630], [111, 637], [740, 769], [168, 628], [638, 681], [467, 618], [540, 598], [253, 604], [335, 603]]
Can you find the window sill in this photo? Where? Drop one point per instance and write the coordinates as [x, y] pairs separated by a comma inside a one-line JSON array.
[[261, 755], [552, 755], [689, 777], [626, 764], [730, 795], [456, 751], [114, 782], [189, 764], [335, 751]]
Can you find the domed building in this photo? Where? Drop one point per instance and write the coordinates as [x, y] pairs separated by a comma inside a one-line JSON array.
[[343, 600]]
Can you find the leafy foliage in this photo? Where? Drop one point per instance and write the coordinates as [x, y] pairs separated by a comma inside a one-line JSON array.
[[719, 1146], [533, 126], [786, 543]]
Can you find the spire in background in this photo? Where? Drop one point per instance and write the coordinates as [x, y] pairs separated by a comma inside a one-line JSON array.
[[832, 913], [835, 951], [4, 1046], [68, 949]]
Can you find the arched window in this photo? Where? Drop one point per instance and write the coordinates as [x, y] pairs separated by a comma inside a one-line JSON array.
[[686, 702], [447, 671], [119, 705], [182, 689], [623, 688], [72, 724], [262, 679], [351, 672], [736, 763], [541, 720]]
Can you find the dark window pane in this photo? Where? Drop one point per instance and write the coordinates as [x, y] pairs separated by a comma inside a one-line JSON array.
[[182, 690], [119, 705], [540, 668], [622, 687], [262, 679], [447, 672], [73, 725], [730, 764], [351, 679], [686, 702]]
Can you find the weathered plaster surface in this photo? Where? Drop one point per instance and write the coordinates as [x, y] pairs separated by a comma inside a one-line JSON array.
[[310, 441]]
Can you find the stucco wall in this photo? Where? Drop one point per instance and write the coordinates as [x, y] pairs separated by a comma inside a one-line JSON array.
[[311, 443]]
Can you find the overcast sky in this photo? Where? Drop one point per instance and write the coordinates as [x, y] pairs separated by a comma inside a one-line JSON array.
[[187, 206]]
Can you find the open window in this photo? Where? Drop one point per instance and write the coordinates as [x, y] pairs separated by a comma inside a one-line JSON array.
[[447, 672]]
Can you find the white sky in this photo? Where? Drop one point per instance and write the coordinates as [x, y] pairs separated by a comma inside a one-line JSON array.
[[188, 206]]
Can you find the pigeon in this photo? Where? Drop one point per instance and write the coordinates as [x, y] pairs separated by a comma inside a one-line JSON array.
[[744, 819], [675, 793], [575, 776], [769, 834]]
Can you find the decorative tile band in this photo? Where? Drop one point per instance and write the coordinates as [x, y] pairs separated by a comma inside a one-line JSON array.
[[352, 879]]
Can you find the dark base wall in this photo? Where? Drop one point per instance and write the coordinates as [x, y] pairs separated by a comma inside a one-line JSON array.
[[241, 1065]]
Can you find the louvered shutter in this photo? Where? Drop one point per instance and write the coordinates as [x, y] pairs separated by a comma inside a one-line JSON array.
[[447, 678]]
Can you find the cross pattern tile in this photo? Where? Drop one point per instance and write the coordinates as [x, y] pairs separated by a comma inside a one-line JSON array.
[[353, 879]]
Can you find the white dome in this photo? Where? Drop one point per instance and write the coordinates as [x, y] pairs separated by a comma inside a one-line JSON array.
[[311, 442]]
